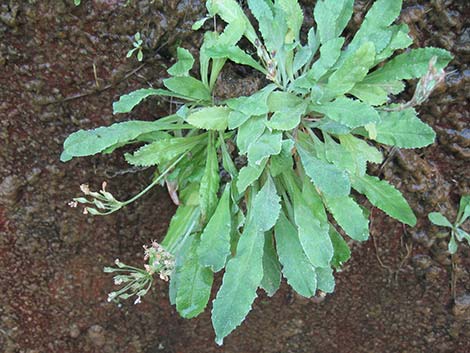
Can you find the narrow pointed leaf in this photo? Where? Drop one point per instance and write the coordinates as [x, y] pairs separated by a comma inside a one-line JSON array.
[[266, 206], [214, 248], [439, 220], [271, 266], [296, 267], [342, 253], [384, 196], [243, 275]]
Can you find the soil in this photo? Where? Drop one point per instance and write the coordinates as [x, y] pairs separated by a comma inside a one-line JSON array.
[[62, 66]]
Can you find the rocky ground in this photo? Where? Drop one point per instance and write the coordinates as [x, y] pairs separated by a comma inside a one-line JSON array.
[[61, 68]]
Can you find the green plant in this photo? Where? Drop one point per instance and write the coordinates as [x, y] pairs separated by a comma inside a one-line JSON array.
[[307, 135], [77, 2], [137, 44], [456, 233]]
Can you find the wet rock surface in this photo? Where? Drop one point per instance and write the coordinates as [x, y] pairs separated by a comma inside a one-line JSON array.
[[62, 66]]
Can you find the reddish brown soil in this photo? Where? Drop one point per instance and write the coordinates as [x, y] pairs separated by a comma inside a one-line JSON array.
[[53, 290]]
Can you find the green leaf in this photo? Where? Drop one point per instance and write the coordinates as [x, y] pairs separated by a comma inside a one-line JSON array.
[[404, 129], [412, 64], [127, 102], [287, 118], [249, 174], [209, 182], [376, 93], [182, 222], [400, 40], [305, 53], [188, 86], [215, 239], [294, 16], [199, 23], [384, 196], [325, 279], [249, 132], [361, 152], [164, 150], [453, 246], [329, 54], [194, 284], [243, 275], [89, 142], [313, 234], [296, 267], [236, 55], [282, 161], [463, 235], [261, 10], [341, 249], [349, 112], [375, 26], [183, 65], [332, 17], [255, 104], [271, 266], [349, 216], [236, 119], [266, 206], [210, 118], [183, 245], [439, 220], [314, 201], [269, 143], [351, 71], [327, 177], [464, 209]]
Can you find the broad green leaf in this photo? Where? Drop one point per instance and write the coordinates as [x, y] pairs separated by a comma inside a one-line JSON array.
[[351, 71], [236, 119], [349, 112], [314, 201], [235, 54], [296, 267], [384, 196], [331, 127], [183, 221], [249, 132], [268, 144], [209, 182], [332, 17], [256, 104], [404, 129], [282, 161], [325, 279], [127, 102], [411, 64], [271, 266], [453, 246], [464, 209], [243, 275], [180, 251], [329, 54], [376, 93], [341, 249], [266, 206], [349, 216], [89, 142], [231, 12], [164, 150], [183, 65], [210, 118], [194, 284], [327, 177], [439, 220], [215, 239], [249, 174], [338, 155], [279, 100], [361, 152], [400, 40], [199, 23], [375, 27], [188, 86], [313, 234], [287, 118], [294, 16]]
